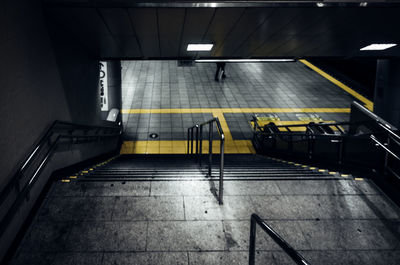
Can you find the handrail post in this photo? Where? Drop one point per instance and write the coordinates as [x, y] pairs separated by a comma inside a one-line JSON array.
[[188, 141], [341, 150], [221, 171], [386, 157], [191, 141], [252, 248], [201, 144], [197, 139], [210, 143]]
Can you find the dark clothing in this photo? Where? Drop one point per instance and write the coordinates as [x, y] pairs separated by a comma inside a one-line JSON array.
[[220, 67]]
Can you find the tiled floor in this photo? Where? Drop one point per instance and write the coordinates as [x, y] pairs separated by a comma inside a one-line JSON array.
[[160, 97], [180, 222]]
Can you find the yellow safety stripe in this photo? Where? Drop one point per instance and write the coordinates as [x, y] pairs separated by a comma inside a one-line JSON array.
[[368, 103]]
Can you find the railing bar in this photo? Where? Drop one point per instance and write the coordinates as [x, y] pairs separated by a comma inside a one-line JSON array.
[[389, 131], [49, 152], [5, 192], [221, 171], [201, 143], [255, 219], [188, 139], [191, 141], [197, 139], [394, 140], [384, 147], [394, 173], [210, 143], [13, 209]]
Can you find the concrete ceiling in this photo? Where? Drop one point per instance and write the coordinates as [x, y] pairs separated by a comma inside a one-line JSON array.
[[238, 29]]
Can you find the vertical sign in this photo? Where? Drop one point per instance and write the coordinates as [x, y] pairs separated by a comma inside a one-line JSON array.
[[103, 86]]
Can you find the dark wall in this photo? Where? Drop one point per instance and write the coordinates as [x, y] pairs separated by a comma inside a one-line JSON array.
[[358, 73], [44, 76], [387, 91]]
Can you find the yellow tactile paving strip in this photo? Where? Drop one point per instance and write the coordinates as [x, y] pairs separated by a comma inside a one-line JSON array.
[[180, 147], [231, 146], [368, 104]]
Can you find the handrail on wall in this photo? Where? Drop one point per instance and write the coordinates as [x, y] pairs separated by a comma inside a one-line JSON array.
[[58, 130], [199, 148]]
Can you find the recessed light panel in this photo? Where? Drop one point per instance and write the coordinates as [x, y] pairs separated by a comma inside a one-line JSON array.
[[199, 47], [243, 60], [378, 47]]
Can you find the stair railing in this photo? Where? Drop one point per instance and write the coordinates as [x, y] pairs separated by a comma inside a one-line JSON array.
[[391, 143], [256, 220], [195, 134], [58, 133]]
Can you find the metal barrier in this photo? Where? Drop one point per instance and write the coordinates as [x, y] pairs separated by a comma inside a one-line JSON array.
[[199, 149], [391, 138], [255, 219], [38, 158], [320, 143]]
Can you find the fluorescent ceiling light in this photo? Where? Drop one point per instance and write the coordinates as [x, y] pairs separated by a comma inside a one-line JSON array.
[[242, 60], [199, 47], [320, 4], [378, 47]]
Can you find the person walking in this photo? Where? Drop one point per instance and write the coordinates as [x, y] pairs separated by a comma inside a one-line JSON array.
[[220, 73]]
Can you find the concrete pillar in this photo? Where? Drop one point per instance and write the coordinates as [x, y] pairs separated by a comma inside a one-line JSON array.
[[387, 91]]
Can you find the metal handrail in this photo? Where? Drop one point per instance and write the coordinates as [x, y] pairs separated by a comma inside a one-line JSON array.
[[255, 219], [199, 149], [389, 131], [336, 124], [383, 130], [44, 140], [383, 146]]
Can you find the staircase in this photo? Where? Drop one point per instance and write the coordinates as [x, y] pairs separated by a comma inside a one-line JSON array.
[[162, 209], [179, 167]]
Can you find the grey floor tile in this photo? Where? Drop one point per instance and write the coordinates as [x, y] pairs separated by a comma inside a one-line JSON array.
[[207, 208], [68, 189], [148, 208], [350, 234], [77, 208], [355, 257], [148, 258], [367, 207], [78, 258], [185, 236], [117, 188], [324, 207], [326, 187], [180, 188], [218, 258], [273, 258], [238, 234], [46, 236], [33, 258], [107, 236]]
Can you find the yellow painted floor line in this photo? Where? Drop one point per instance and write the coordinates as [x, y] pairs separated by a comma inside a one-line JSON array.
[[180, 147], [224, 125], [368, 103], [237, 110]]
